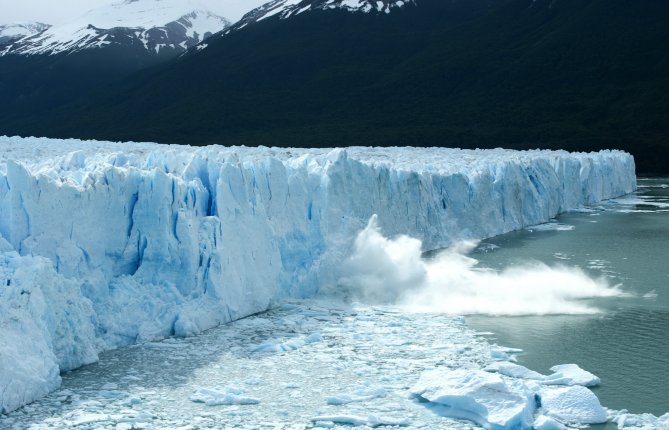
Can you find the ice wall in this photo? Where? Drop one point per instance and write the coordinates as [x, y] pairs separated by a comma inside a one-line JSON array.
[[106, 244]]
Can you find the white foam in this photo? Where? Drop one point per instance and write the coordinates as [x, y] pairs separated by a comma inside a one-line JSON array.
[[393, 271]]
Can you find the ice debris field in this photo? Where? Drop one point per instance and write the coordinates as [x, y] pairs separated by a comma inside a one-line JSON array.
[[106, 245], [367, 366]]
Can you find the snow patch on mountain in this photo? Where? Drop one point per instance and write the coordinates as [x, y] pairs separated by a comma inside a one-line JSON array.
[[154, 25], [285, 9], [13, 32]]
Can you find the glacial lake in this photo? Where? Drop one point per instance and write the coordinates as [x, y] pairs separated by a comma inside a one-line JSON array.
[[627, 344]]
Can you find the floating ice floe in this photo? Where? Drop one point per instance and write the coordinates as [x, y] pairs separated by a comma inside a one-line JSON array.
[[551, 226], [625, 420], [373, 421], [362, 394], [564, 374], [478, 396], [570, 374], [230, 396], [289, 345], [542, 422], [572, 405], [77, 419], [495, 402], [513, 370], [499, 353]]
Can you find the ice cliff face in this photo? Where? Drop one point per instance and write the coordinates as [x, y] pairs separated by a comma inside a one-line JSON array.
[[105, 244]]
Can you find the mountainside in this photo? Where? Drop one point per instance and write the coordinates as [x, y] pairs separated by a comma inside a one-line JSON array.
[[151, 25], [579, 75], [58, 64], [13, 32], [284, 9]]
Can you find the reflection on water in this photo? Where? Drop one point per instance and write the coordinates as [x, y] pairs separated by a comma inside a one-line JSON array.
[[626, 241]]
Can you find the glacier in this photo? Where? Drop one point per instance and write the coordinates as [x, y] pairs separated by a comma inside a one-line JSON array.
[[108, 244]]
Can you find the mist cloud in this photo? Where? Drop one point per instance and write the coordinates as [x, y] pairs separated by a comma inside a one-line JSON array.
[[383, 270]]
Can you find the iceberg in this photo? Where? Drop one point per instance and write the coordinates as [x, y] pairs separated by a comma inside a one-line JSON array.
[[500, 402], [573, 405], [109, 244], [564, 374], [513, 370], [546, 423], [570, 374], [626, 420], [478, 396]]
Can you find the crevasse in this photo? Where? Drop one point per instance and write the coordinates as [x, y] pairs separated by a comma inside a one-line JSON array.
[[108, 244]]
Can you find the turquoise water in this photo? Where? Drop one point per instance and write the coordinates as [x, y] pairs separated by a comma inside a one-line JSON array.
[[627, 344]]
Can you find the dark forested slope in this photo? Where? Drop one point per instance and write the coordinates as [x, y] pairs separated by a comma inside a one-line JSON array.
[[578, 75]]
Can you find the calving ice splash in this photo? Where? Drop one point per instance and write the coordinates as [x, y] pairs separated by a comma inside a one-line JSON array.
[[394, 271], [106, 244]]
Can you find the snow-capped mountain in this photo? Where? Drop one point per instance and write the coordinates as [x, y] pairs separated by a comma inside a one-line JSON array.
[[12, 32], [287, 8], [471, 73], [152, 25]]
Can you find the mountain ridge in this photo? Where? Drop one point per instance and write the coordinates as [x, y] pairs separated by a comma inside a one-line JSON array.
[[43, 71], [15, 31], [284, 9], [575, 75], [153, 24]]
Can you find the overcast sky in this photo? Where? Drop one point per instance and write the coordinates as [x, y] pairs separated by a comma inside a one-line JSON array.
[[59, 11]]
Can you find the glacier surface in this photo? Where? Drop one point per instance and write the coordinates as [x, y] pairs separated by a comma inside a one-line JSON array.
[[107, 244]]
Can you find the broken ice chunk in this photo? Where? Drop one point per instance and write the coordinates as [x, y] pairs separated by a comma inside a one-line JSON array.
[[231, 396], [625, 420], [478, 396], [547, 423], [289, 345], [371, 421], [513, 370], [572, 405], [362, 394], [570, 374]]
